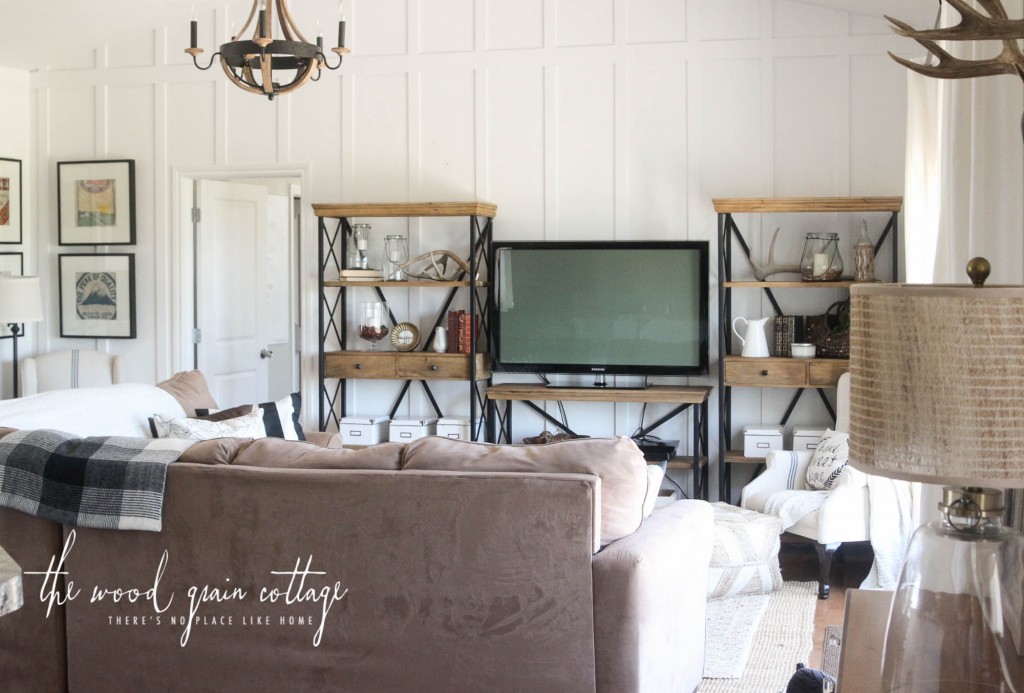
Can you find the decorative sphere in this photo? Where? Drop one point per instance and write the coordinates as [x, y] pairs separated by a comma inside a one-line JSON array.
[[978, 269]]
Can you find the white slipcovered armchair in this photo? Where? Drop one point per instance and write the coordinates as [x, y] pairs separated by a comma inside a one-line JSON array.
[[843, 515], [72, 368]]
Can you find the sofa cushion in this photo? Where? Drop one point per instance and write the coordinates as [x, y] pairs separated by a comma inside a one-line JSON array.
[[191, 391], [280, 418], [213, 451], [276, 452], [324, 439], [617, 461]]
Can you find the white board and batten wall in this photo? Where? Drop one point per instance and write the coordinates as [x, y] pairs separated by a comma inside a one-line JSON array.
[[581, 119]]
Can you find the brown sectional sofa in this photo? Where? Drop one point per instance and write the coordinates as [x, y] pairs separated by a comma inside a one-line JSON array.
[[437, 566]]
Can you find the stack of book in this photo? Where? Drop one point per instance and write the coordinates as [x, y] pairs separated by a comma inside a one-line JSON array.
[[788, 329], [367, 275], [460, 336]]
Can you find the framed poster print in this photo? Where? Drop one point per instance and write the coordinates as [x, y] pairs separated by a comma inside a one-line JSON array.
[[14, 265], [97, 295], [96, 202], [10, 201]]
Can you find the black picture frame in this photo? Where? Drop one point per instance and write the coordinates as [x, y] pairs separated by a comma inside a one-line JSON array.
[[96, 202], [93, 302], [10, 201]]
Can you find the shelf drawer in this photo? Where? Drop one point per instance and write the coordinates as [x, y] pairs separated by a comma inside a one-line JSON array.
[[826, 372], [361, 364], [440, 366], [766, 373], [399, 365]]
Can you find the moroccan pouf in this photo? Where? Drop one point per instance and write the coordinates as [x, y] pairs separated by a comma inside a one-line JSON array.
[[745, 553]]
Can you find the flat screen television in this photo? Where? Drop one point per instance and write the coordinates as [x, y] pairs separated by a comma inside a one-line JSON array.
[[615, 308]]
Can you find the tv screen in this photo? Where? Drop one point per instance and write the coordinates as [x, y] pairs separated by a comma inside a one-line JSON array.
[[627, 308]]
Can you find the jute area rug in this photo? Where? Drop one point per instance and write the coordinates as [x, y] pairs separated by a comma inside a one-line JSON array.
[[780, 638]]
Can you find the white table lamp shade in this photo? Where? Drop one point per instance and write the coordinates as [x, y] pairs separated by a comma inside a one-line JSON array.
[[937, 383], [20, 299]]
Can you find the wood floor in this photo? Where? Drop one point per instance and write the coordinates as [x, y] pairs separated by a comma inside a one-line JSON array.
[[850, 566]]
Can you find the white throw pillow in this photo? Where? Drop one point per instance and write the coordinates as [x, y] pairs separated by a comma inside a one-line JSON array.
[[248, 426], [655, 475], [829, 460]]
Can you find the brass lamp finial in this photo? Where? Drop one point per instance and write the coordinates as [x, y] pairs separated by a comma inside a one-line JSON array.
[[978, 269]]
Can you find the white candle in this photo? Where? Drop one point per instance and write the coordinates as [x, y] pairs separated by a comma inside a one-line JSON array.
[[820, 264]]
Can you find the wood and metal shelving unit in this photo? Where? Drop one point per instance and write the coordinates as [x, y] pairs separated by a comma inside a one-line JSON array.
[[684, 397], [337, 366], [799, 374]]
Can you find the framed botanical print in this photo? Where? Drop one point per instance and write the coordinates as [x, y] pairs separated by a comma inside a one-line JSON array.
[[96, 202], [97, 295], [10, 201], [14, 265]]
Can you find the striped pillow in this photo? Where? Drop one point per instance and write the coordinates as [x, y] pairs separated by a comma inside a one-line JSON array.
[[280, 418]]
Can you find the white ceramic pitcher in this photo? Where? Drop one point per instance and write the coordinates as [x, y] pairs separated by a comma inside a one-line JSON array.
[[754, 342]]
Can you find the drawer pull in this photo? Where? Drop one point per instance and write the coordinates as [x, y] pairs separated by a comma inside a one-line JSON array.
[[764, 372], [433, 368], [359, 366]]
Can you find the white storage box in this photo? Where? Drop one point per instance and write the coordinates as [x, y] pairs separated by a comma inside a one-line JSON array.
[[364, 430], [405, 429], [758, 441], [807, 439], [456, 428]]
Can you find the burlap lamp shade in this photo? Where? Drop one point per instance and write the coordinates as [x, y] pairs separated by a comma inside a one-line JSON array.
[[937, 383]]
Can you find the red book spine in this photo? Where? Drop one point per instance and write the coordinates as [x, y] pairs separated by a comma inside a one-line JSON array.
[[467, 332]]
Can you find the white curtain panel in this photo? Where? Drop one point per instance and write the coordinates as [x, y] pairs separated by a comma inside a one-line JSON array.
[[964, 193], [965, 169]]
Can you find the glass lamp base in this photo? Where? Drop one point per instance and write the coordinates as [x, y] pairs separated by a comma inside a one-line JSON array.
[[955, 623]]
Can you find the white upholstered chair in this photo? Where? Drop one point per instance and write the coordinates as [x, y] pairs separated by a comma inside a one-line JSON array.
[[71, 368], [844, 514]]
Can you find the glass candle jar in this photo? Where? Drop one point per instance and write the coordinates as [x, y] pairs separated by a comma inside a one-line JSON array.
[[396, 254], [864, 258], [821, 261], [358, 245]]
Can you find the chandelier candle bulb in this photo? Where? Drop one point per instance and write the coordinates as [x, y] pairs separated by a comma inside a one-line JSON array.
[[195, 33], [341, 33]]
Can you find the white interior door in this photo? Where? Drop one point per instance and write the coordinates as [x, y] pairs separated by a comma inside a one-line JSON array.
[[231, 290], [278, 299]]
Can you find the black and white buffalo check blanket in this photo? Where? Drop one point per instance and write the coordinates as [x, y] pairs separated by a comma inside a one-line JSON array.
[[107, 482]]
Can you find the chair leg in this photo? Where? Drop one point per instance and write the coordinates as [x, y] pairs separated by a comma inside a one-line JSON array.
[[825, 553]]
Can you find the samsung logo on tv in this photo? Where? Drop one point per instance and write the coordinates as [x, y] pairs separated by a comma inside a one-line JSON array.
[[598, 370]]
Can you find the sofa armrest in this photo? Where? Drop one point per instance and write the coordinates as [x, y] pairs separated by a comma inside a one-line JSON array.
[[649, 602], [784, 470]]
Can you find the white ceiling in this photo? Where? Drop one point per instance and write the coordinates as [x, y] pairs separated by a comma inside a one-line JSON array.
[[36, 33]]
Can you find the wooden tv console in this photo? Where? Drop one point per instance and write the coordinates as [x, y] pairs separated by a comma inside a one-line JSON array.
[[682, 396]]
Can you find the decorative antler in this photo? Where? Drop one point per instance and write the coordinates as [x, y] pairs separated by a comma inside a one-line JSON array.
[[762, 272], [973, 26]]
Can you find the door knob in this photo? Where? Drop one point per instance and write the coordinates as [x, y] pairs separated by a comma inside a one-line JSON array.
[[266, 353]]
